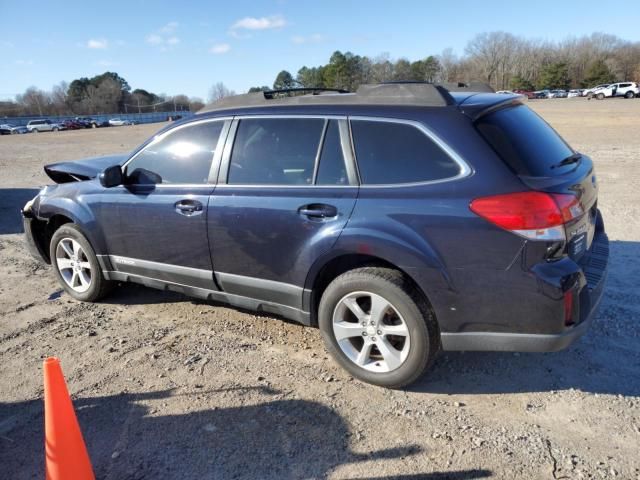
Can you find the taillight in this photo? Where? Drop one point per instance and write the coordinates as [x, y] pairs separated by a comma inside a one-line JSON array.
[[534, 215]]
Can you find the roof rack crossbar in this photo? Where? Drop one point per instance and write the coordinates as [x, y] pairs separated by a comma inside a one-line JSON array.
[[420, 94]]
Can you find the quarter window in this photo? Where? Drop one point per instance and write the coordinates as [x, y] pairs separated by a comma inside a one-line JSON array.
[[393, 153], [275, 151], [182, 156]]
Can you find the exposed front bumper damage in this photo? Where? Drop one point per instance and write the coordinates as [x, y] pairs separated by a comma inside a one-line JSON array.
[[33, 229]]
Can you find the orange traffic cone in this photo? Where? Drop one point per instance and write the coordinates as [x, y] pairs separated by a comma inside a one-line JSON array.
[[66, 456]]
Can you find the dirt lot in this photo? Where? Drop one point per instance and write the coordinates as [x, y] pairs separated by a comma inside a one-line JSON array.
[[169, 387]]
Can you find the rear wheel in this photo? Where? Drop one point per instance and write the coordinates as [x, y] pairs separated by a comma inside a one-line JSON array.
[[76, 265], [378, 327], [55, 129], [629, 95]]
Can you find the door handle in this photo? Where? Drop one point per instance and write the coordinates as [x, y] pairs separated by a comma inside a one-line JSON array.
[[188, 207], [318, 210]]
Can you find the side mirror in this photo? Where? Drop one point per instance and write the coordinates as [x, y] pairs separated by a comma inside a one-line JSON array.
[[111, 176]]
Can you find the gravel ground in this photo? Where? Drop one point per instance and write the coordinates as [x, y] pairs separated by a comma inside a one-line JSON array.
[[170, 387]]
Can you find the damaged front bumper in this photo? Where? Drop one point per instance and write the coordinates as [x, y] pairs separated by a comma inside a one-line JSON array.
[[33, 229]]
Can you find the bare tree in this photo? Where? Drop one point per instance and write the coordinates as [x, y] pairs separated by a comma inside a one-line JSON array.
[[219, 91]]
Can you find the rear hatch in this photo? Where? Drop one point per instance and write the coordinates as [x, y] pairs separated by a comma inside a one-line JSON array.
[[546, 163]]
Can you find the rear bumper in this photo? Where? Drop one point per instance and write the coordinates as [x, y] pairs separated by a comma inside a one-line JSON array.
[[592, 278]]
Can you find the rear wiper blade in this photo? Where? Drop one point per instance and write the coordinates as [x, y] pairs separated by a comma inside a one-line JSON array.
[[575, 158]]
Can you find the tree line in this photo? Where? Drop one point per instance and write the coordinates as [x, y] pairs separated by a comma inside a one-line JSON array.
[[501, 59], [106, 93]]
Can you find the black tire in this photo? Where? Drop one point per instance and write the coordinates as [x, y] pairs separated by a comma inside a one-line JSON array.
[[600, 96], [98, 286], [629, 95], [410, 304], [94, 125], [55, 129]]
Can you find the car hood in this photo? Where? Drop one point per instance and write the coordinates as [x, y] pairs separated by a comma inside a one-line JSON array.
[[80, 170]]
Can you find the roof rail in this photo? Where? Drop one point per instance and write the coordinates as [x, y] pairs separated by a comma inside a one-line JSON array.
[[468, 87], [269, 94], [420, 94]]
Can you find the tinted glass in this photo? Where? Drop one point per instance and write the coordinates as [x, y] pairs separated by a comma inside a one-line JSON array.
[[389, 153], [183, 156], [275, 151], [331, 170], [525, 141]]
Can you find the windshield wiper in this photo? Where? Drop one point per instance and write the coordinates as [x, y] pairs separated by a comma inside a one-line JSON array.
[[575, 158]]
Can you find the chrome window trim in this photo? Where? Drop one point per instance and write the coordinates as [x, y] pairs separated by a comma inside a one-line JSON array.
[[465, 169], [216, 156]]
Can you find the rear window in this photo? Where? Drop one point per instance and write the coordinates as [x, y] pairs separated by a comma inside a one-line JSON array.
[[525, 141]]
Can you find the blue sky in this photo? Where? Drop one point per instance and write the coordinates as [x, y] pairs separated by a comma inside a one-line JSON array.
[[185, 47]]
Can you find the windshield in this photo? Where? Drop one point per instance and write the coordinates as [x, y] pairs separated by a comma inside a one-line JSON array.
[[525, 142]]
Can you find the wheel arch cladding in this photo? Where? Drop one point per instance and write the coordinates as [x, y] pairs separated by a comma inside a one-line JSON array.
[[325, 270], [78, 214]]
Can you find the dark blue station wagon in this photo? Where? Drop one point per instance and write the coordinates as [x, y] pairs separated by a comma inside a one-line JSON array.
[[401, 220]]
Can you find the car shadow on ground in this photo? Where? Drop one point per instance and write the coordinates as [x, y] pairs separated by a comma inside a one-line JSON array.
[[11, 202], [134, 436]]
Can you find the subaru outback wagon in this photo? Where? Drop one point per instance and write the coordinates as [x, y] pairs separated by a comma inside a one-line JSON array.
[[402, 219]]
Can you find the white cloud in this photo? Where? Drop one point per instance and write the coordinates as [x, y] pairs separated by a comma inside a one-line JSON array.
[[6, 44], [315, 38], [154, 39], [262, 23], [24, 63], [98, 43], [169, 27], [164, 37], [220, 48]]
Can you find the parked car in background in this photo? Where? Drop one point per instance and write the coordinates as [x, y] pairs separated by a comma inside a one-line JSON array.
[[574, 93], [557, 94], [118, 122], [527, 93], [89, 122], [587, 91], [73, 125], [505, 92], [36, 126], [399, 219], [542, 93], [8, 129], [622, 89]]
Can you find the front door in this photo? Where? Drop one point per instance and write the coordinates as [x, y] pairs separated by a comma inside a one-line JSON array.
[[285, 194], [155, 225]]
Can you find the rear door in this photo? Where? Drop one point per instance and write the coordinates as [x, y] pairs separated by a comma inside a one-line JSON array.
[[286, 189]]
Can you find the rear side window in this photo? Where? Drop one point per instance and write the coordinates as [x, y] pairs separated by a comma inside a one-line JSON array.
[[393, 153], [182, 156], [275, 151], [525, 141]]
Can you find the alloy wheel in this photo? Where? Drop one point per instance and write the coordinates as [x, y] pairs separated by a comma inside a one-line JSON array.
[[371, 332], [73, 265]]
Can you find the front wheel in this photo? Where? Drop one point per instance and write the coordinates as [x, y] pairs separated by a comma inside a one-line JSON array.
[[378, 326], [600, 96], [76, 265]]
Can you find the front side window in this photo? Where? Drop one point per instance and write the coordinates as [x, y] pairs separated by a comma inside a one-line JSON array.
[[275, 151], [181, 156], [394, 153]]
